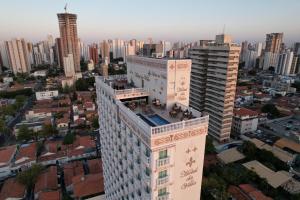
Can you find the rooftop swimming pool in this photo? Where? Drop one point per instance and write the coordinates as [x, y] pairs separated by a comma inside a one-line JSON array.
[[153, 120], [158, 120]]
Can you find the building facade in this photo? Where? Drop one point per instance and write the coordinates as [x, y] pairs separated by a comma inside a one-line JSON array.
[[69, 37], [244, 121], [213, 83], [149, 150], [18, 56]]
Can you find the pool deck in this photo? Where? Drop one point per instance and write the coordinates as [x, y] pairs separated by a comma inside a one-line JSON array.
[[164, 113]]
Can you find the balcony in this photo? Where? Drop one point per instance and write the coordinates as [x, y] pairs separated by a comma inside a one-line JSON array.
[[162, 162], [163, 197], [163, 180]]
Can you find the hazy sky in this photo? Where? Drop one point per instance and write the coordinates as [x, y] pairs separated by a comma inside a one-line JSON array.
[[186, 20]]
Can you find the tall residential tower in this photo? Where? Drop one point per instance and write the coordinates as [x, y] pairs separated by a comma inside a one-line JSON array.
[[69, 39], [18, 56], [213, 83]]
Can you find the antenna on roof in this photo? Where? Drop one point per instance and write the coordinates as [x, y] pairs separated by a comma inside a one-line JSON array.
[[66, 6], [224, 26]]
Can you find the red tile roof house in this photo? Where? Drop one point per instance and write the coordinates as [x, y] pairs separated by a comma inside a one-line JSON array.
[[95, 166], [25, 157], [6, 156], [52, 195], [83, 147], [253, 193], [47, 181], [87, 186], [89, 106], [71, 170], [13, 190]]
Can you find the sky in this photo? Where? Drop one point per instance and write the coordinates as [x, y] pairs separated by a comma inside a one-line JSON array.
[[171, 20]]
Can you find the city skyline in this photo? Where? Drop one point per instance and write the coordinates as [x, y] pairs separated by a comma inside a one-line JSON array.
[[103, 20]]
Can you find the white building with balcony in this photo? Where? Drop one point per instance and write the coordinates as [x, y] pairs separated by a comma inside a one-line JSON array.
[[152, 143]]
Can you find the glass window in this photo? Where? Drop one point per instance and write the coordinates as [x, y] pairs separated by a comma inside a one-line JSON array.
[[162, 174], [163, 154], [162, 191]]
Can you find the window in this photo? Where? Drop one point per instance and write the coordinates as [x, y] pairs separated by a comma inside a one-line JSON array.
[[162, 191], [162, 174], [163, 154]]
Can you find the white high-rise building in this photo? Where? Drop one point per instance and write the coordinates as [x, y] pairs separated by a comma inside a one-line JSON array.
[[18, 56], [118, 48], [84, 51], [69, 66], [284, 62], [152, 142], [167, 46], [269, 59], [4, 55]]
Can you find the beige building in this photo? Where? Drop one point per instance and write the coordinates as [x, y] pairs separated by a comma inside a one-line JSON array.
[[18, 56], [213, 83], [152, 142], [273, 42], [69, 37]]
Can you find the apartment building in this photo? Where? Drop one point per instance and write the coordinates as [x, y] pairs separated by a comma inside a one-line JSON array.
[[213, 83], [152, 142]]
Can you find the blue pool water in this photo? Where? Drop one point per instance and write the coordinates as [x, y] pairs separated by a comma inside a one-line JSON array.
[[158, 120], [146, 120]]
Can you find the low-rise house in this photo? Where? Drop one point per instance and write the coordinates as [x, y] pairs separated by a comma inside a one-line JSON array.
[[12, 190], [62, 124], [25, 157], [71, 170], [230, 155], [51, 195], [275, 179], [90, 185], [89, 106], [42, 95], [47, 181], [36, 114], [40, 73], [95, 166], [244, 120], [6, 157], [247, 192], [83, 147]]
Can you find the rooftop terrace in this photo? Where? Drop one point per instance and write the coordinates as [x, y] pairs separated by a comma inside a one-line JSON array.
[[150, 117]]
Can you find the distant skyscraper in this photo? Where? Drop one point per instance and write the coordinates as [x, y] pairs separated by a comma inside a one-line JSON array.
[[284, 63], [105, 51], [93, 52], [4, 55], [273, 42], [297, 48], [59, 52], [18, 56], [153, 50], [213, 83], [69, 37]]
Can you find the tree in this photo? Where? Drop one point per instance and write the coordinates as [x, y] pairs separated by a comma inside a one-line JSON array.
[[214, 186], [49, 130], [24, 133], [209, 146], [81, 85], [271, 110], [95, 123], [296, 85], [29, 177], [69, 139], [83, 65]]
